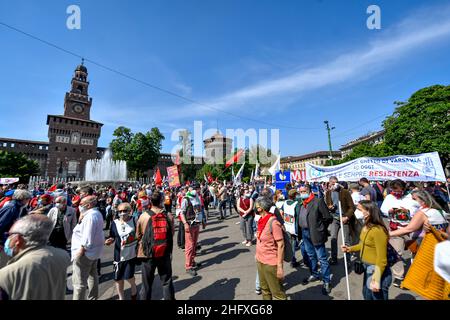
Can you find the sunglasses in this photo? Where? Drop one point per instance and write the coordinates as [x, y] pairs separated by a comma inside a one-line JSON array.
[[123, 211]]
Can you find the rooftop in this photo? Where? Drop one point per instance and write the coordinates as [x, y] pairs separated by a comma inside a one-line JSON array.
[[71, 118], [366, 137], [24, 141]]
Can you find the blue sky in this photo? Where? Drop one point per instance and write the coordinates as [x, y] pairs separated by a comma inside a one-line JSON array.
[[281, 63]]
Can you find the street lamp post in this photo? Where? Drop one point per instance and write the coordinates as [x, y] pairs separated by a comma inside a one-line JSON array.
[[329, 139]]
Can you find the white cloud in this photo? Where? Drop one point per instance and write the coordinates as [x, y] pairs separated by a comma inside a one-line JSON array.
[[411, 34]]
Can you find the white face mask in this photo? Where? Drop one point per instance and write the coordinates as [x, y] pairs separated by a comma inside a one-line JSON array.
[[83, 209], [194, 192]]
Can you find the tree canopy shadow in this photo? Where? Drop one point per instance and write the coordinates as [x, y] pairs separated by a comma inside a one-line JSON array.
[[218, 248], [214, 240], [223, 257]]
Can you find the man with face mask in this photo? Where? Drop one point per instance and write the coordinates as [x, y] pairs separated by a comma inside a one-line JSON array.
[[36, 271], [64, 219], [180, 236], [8, 215], [190, 211], [335, 194], [313, 221], [87, 247]]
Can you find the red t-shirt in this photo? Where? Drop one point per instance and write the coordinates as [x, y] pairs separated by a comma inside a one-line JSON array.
[[266, 246], [244, 204]]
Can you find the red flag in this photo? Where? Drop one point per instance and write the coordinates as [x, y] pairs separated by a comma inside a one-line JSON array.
[[52, 188], [188, 183], [158, 179], [210, 178], [234, 158]]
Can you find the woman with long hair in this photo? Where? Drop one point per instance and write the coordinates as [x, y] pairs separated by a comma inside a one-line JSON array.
[[373, 251], [430, 212]]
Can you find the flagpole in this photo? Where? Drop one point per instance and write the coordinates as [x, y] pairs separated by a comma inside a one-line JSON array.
[[345, 254]]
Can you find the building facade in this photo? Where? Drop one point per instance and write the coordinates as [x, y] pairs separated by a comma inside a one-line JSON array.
[[299, 162], [217, 148], [372, 138], [73, 137]]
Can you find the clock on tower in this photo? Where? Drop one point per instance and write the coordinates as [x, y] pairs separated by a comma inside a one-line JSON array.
[[73, 137], [77, 103]]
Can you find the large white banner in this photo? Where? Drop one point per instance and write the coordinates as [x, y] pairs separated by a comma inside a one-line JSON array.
[[420, 167], [8, 180]]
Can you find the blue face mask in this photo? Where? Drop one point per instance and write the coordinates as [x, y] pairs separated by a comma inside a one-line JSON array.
[[9, 251], [304, 196]]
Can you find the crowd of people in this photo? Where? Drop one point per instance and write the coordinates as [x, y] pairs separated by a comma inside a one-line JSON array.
[[44, 230]]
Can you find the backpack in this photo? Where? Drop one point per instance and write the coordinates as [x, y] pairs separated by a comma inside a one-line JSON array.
[[157, 236], [288, 256]]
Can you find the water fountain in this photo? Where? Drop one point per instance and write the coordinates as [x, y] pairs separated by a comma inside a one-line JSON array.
[[106, 169]]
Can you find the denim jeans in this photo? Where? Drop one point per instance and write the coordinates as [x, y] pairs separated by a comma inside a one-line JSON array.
[[247, 227], [315, 254], [223, 208], [386, 280], [294, 245], [305, 256]]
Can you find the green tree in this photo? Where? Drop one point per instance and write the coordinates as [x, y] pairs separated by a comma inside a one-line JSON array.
[[422, 124], [419, 125], [17, 165], [140, 151]]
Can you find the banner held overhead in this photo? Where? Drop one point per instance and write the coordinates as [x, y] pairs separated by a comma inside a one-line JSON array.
[[420, 167]]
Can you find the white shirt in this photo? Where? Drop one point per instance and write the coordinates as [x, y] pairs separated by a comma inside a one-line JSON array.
[[89, 234], [406, 202], [357, 197], [434, 216], [442, 260]]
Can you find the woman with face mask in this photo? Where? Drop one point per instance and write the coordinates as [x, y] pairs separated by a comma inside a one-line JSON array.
[[398, 209], [373, 251], [245, 209], [430, 212], [123, 235]]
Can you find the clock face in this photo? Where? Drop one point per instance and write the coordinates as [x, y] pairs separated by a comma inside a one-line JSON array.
[[78, 108]]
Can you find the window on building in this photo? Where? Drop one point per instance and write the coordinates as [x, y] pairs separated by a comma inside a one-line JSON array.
[[65, 149], [12, 145], [74, 150], [5, 144], [40, 147], [56, 148], [82, 150]]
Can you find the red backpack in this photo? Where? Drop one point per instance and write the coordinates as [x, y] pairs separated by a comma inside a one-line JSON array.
[[157, 237]]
